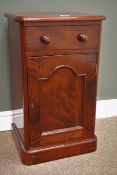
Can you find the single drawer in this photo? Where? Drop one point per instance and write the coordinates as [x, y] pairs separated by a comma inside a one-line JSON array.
[[51, 38]]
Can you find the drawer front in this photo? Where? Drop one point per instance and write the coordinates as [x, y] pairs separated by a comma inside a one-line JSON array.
[[51, 38]]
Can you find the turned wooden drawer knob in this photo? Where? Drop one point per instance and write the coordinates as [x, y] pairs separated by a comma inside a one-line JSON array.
[[45, 39], [83, 38]]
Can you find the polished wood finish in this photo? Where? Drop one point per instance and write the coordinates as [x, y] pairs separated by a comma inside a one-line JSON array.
[[58, 55], [62, 37], [82, 37], [39, 155], [45, 39], [57, 16]]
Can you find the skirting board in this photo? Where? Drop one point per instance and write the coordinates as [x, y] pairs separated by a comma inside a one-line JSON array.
[[104, 109], [9, 117]]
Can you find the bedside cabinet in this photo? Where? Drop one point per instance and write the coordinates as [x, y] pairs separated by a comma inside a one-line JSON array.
[[54, 62]]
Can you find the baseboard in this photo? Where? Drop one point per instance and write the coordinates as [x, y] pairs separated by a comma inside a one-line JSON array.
[[105, 109], [9, 117]]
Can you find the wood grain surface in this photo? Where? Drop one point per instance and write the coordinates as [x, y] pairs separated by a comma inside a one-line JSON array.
[[58, 59]]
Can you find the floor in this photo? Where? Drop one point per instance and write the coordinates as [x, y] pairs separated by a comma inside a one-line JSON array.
[[101, 162]]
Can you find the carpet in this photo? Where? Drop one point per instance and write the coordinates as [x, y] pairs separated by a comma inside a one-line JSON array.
[[101, 162]]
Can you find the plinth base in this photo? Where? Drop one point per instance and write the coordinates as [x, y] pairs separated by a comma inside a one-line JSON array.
[[39, 155]]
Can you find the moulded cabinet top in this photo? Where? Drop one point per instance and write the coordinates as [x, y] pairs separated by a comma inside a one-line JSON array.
[[57, 16]]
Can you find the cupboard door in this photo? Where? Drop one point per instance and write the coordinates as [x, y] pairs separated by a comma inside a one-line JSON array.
[[62, 92]]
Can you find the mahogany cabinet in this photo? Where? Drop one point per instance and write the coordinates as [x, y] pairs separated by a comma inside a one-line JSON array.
[[54, 61]]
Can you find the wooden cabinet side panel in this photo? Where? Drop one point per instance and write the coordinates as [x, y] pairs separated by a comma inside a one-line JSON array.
[[15, 64], [18, 74], [15, 68]]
